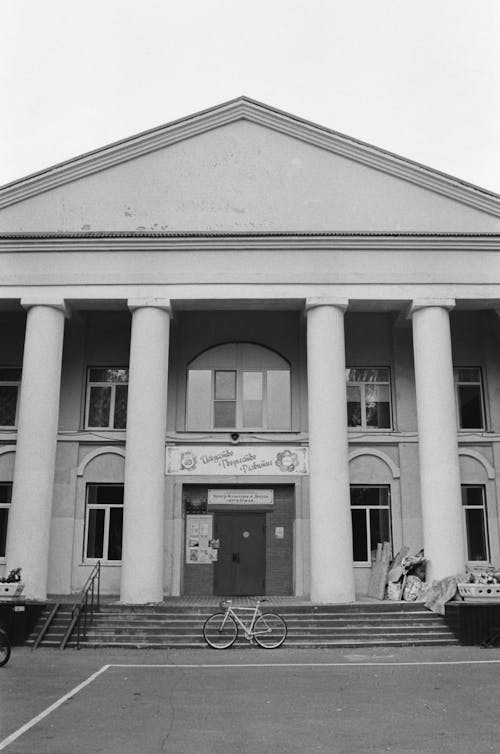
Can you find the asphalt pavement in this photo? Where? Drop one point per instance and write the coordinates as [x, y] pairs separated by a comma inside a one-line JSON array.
[[349, 701]]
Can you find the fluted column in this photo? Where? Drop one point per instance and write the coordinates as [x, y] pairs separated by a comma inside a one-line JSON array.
[[332, 575], [437, 439], [143, 514], [28, 533]]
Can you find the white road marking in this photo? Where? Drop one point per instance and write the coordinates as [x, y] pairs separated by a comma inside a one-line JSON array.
[[35, 720]]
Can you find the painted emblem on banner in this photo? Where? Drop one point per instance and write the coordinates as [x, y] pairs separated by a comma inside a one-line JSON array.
[[188, 460], [287, 461]]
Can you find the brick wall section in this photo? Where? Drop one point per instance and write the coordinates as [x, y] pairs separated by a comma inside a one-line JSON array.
[[199, 579]]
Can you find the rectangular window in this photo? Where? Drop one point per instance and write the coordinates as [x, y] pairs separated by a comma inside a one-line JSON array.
[[107, 392], [368, 398], [476, 522], [10, 381], [238, 399], [5, 500], [469, 397], [371, 525], [104, 522]]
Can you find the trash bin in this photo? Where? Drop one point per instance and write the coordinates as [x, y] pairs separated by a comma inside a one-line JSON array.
[[13, 620]]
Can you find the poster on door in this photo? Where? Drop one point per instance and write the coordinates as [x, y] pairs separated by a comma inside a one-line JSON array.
[[199, 540]]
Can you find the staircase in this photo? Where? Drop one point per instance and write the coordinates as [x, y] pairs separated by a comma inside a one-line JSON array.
[[381, 624]]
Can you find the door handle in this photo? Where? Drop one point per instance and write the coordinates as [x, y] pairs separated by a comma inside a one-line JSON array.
[[236, 557]]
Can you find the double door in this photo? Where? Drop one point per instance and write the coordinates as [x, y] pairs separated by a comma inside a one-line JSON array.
[[241, 565]]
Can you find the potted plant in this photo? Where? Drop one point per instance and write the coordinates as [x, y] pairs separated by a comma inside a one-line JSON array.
[[11, 586]]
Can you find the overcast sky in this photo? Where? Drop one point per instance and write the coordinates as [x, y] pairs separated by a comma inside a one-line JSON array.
[[420, 78]]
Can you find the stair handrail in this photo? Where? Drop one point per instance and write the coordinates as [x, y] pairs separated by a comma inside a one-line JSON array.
[[46, 626], [82, 607]]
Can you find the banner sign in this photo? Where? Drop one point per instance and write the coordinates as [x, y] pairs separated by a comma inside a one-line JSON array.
[[240, 498], [249, 460]]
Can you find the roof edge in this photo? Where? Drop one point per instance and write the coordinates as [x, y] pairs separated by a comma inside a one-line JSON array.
[[245, 108]]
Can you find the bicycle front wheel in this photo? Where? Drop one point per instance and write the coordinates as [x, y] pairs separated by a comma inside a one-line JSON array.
[[270, 630], [220, 631], [4, 648]]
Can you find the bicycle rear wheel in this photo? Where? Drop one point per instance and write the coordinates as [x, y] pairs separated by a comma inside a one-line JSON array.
[[220, 631], [270, 630], [4, 648]]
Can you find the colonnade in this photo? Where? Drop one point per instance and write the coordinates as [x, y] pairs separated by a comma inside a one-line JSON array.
[[332, 577]]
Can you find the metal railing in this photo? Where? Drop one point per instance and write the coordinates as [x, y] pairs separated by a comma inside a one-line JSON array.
[[85, 607]]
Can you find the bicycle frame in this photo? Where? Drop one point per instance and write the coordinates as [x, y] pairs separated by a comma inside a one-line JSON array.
[[246, 627]]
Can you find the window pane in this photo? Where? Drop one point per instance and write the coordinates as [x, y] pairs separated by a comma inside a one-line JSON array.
[[252, 399], [224, 414], [199, 399], [6, 493], [10, 374], [4, 517], [112, 374], [121, 395], [100, 399], [359, 535], [115, 534], [468, 375], [353, 406], [377, 405], [95, 533], [278, 399], [105, 494], [8, 404], [476, 534], [225, 386], [469, 405], [364, 374], [370, 496], [472, 496], [379, 529]]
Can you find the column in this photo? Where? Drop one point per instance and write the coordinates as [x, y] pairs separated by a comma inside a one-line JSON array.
[[437, 439], [143, 510], [332, 575], [28, 533]]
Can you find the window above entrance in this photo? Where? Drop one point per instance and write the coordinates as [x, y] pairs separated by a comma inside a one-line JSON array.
[[239, 386]]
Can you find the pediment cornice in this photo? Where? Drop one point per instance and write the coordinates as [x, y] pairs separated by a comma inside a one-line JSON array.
[[244, 108]]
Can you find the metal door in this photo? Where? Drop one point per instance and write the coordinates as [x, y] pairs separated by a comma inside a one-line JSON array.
[[241, 565]]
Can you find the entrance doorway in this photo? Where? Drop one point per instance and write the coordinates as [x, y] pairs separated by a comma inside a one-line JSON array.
[[241, 565]]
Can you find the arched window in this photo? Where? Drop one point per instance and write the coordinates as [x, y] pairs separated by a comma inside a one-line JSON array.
[[238, 386]]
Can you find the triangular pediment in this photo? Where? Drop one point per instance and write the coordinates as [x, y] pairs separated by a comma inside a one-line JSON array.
[[244, 166]]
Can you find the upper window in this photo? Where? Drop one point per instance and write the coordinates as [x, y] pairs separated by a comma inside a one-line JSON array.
[[107, 391], [371, 525], [10, 380], [469, 397], [5, 499], [238, 386], [476, 525], [104, 522], [368, 397]]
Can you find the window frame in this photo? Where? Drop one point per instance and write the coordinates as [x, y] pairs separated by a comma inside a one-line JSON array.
[[367, 508], [484, 509], [480, 383], [7, 507], [107, 508], [362, 383], [13, 383], [100, 383], [239, 426]]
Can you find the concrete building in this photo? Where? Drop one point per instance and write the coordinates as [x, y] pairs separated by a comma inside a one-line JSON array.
[[240, 350]]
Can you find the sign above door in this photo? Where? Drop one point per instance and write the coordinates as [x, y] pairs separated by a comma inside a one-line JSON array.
[[240, 498], [243, 460]]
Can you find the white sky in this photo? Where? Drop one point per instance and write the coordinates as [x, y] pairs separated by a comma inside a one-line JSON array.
[[420, 78]]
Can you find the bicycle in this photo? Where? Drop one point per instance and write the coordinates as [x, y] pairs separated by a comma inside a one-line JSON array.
[[4, 648], [221, 629]]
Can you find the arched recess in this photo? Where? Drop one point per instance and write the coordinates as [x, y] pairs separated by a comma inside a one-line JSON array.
[[469, 453], [378, 454], [98, 452]]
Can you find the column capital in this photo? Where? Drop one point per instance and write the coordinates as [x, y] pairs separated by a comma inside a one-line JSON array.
[[51, 302], [315, 301], [425, 303], [150, 303]]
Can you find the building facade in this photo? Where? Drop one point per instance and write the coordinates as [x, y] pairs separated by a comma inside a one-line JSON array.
[[238, 352]]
